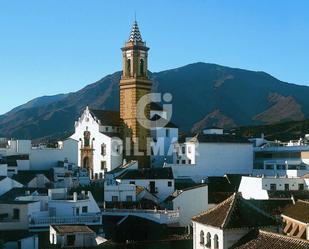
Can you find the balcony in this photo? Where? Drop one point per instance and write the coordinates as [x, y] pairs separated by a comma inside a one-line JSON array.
[[45, 221], [160, 216]]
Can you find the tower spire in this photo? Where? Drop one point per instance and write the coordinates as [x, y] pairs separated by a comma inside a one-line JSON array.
[[135, 35]]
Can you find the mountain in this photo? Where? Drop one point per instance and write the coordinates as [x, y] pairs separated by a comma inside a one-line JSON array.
[[203, 95], [37, 102]]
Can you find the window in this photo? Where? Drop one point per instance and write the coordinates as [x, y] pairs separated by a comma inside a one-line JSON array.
[[167, 132], [101, 175], [269, 166], [132, 182], [216, 241], [103, 149], [273, 187], [183, 150], [169, 183], [103, 165], [208, 244], [301, 186], [77, 211], [286, 187], [96, 176], [128, 67], [85, 209], [16, 214], [189, 161], [142, 67], [86, 139], [183, 161], [129, 198], [106, 128], [177, 161], [114, 198], [202, 240], [71, 240], [189, 149]]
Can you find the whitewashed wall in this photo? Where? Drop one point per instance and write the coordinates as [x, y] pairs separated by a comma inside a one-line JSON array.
[[190, 203], [215, 159]]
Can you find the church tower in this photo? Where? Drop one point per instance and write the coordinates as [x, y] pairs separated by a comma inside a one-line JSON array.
[[135, 84]]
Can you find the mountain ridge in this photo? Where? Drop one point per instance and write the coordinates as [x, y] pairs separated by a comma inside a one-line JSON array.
[[204, 94]]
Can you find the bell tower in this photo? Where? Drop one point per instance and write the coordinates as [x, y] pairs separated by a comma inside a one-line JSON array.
[[134, 85]]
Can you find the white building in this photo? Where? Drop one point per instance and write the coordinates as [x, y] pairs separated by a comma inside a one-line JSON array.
[[212, 155], [21, 155], [62, 208], [117, 192], [159, 182], [72, 236], [262, 187], [277, 158], [189, 202], [99, 146], [15, 214], [37, 210], [224, 225], [164, 134]]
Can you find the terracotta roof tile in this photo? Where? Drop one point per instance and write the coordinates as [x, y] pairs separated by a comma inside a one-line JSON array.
[[235, 212], [299, 211], [107, 117], [64, 229], [269, 240]]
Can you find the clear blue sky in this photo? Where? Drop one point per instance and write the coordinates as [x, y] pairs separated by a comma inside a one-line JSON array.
[[55, 46]]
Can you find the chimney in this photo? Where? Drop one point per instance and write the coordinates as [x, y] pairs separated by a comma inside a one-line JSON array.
[[75, 196]]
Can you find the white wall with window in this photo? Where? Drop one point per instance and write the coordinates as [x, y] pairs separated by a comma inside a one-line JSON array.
[[115, 192], [199, 160], [258, 187]]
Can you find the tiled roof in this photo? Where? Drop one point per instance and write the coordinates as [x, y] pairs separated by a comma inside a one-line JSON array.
[[135, 35], [107, 117], [64, 229], [235, 212], [299, 211], [160, 173], [215, 138], [26, 176], [269, 240]]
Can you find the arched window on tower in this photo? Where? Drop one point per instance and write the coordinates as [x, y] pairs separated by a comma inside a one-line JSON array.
[[216, 241], [128, 67], [141, 67], [202, 239], [208, 242]]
